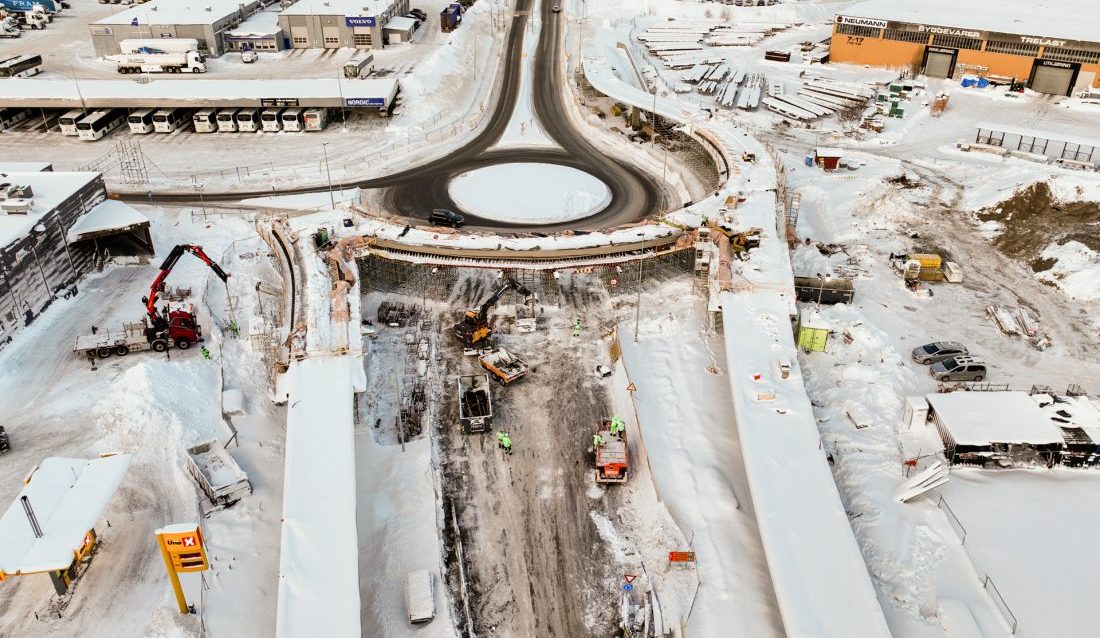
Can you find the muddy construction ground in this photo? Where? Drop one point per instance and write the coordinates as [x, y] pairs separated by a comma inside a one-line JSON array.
[[533, 560]]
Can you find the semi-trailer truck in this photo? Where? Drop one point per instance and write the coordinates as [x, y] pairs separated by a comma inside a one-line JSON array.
[[168, 55]]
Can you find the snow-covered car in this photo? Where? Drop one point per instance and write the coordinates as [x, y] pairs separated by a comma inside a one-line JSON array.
[[959, 368], [249, 57], [938, 351]]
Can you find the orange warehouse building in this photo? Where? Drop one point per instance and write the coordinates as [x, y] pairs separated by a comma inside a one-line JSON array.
[[1051, 45]]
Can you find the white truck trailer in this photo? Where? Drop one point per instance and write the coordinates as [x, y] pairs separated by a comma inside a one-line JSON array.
[[167, 55], [218, 475]]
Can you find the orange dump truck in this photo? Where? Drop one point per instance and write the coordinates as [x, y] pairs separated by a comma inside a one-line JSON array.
[[612, 460]]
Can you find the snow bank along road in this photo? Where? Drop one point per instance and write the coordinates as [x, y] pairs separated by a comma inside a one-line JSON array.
[[416, 191]]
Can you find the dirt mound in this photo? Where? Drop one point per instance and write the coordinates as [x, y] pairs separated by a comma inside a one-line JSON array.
[[1033, 218]]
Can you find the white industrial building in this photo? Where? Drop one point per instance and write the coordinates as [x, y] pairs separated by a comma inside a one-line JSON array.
[[204, 20], [261, 32], [53, 227], [336, 24]]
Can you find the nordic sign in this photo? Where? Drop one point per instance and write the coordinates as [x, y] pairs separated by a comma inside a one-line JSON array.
[[360, 21], [365, 101]]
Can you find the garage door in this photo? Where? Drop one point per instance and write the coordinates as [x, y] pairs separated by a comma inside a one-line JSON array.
[[1049, 79], [938, 65], [331, 36], [299, 37]]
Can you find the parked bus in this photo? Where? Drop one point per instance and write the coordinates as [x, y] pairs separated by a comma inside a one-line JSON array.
[[292, 120], [168, 120], [68, 121], [316, 119], [11, 117], [20, 66], [227, 120], [141, 121], [100, 123], [248, 120], [205, 121], [270, 119], [359, 66]]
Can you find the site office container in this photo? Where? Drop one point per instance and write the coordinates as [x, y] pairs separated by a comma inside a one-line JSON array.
[[140, 121], [248, 120], [169, 120], [68, 121], [205, 121], [271, 120], [99, 123], [316, 119], [227, 120], [292, 120]]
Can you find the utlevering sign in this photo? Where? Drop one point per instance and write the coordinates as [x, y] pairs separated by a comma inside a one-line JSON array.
[[360, 21], [365, 101]]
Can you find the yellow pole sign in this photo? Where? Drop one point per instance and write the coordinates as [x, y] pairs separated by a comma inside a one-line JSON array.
[[181, 546]]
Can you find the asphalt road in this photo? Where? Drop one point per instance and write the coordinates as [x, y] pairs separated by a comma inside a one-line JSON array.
[[415, 191]]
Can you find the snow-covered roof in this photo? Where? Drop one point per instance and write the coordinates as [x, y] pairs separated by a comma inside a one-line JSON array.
[[264, 23], [319, 559], [176, 12], [49, 189], [190, 91], [829, 151], [401, 23], [1071, 412], [1023, 131], [981, 418], [1068, 19], [337, 8], [25, 167], [109, 215], [68, 497]]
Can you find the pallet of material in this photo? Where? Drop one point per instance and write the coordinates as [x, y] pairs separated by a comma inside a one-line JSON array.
[[749, 97], [727, 96], [775, 87], [828, 101], [787, 109], [843, 89], [805, 105], [674, 46], [778, 56]]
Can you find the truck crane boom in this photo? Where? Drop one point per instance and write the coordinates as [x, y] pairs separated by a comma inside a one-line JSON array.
[[166, 269], [474, 327]]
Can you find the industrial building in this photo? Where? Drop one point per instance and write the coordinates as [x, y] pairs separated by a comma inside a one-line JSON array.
[[53, 228], [206, 21], [1051, 45], [261, 32], [335, 24]]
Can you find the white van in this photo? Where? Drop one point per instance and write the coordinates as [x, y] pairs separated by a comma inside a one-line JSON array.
[[270, 121], [292, 120], [227, 120], [420, 596], [204, 120], [248, 120]]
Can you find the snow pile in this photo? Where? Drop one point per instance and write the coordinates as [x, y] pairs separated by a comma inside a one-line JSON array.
[[530, 193], [159, 406], [1076, 269]]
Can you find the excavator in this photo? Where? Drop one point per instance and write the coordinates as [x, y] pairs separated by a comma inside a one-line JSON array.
[[181, 324], [474, 329]]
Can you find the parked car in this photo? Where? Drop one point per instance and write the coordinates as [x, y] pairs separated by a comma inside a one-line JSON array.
[[938, 351], [959, 368], [248, 57], [446, 217], [419, 13]]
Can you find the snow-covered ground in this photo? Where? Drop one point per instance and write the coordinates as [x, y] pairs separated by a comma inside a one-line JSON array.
[[530, 193]]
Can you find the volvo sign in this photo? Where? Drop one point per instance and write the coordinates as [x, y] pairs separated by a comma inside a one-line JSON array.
[[360, 21]]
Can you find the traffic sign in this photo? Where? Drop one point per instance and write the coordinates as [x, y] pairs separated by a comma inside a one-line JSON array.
[[631, 387], [627, 587], [630, 577]]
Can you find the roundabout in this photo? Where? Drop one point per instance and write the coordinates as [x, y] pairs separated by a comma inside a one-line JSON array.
[[528, 193]]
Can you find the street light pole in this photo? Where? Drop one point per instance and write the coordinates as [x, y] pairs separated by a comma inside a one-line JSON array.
[[638, 300], [331, 199]]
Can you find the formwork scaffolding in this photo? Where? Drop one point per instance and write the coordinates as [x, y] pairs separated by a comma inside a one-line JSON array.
[[551, 286]]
